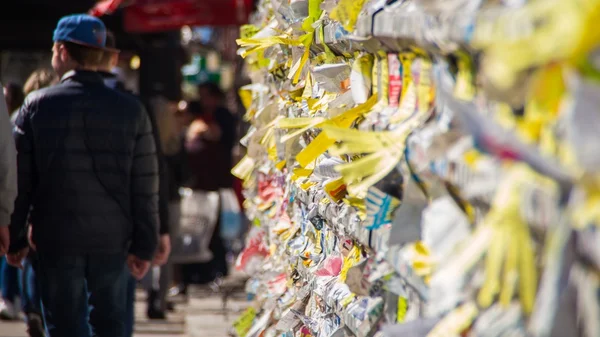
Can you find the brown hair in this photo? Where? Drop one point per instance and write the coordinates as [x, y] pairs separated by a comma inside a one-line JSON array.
[[213, 89], [39, 79], [84, 56]]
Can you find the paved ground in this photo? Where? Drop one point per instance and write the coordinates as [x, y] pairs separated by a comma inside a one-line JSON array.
[[202, 316]]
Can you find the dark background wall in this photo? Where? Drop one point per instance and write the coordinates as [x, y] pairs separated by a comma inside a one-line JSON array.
[[26, 28], [28, 24]]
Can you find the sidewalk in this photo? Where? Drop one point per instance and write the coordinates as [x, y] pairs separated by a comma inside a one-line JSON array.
[[203, 316]]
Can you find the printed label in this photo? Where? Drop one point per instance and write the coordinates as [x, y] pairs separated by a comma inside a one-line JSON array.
[[395, 80]]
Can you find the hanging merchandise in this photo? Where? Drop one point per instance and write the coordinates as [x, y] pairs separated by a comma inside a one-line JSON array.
[[422, 168]]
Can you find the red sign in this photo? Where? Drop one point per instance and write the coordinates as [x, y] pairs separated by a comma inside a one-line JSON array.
[[146, 16], [105, 7]]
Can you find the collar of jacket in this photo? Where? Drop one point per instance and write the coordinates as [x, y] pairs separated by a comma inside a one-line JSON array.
[[106, 74], [82, 76], [112, 81]]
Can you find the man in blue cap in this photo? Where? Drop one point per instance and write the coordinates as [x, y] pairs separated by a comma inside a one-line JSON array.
[[88, 171]]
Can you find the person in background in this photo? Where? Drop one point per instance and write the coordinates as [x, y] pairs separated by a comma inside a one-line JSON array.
[[14, 96], [178, 174], [160, 275], [213, 103], [40, 79], [10, 284], [8, 177], [30, 296], [15, 282], [208, 144], [10, 292], [108, 63], [223, 123], [87, 169]]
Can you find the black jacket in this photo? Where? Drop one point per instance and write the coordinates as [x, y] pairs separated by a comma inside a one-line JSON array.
[[87, 168], [112, 81]]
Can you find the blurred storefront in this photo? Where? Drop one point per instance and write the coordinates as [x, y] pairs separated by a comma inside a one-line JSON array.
[[157, 38], [26, 34]]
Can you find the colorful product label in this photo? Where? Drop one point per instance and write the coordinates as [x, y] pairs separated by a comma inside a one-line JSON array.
[[395, 80]]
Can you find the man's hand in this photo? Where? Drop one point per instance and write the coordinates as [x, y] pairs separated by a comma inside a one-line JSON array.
[[16, 259], [137, 266], [4, 240], [164, 249]]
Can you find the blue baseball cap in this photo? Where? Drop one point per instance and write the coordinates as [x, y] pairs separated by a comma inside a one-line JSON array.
[[81, 29]]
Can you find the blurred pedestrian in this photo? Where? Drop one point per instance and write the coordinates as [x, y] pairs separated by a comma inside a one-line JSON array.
[[159, 278], [10, 284], [177, 172], [9, 305], [8, 178], [108, 63], [208, 144], [29, 291], [14, 96], [40, 79], [88, 170]]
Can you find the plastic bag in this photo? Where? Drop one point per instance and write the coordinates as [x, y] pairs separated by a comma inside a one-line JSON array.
[[231, 215], [199, 213]]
